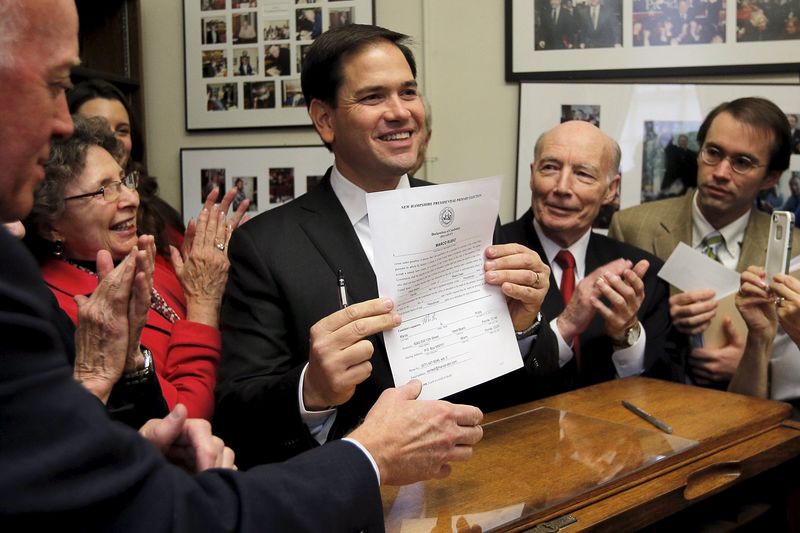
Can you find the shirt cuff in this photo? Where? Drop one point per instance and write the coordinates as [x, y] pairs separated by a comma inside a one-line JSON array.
[[564, 349], [369, 456], [525, 345], [319, 422], [630, 361]]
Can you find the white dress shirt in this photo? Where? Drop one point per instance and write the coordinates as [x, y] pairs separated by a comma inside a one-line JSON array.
[[785, 357], [733, 233], [354, 201]]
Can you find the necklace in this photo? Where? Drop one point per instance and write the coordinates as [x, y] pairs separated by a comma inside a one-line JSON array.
[[157, 302]]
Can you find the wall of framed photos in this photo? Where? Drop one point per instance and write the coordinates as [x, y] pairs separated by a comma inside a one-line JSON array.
[[460, 50]]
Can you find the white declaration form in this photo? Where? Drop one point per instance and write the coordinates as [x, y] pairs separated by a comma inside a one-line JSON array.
[[429, 245]]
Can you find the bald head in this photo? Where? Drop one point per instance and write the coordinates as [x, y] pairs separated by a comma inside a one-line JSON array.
[[42, 49], [590, 134], [13, 23], [574, 173]]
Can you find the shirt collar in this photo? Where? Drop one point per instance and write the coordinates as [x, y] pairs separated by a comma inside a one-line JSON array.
[[352, 197], [733, 233], [578, 248]]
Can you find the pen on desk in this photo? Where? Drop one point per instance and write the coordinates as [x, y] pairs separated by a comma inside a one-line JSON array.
[[342, 289], [663, 426]]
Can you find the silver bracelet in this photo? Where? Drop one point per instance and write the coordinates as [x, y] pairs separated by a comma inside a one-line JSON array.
[[532, 330], [143, 374]]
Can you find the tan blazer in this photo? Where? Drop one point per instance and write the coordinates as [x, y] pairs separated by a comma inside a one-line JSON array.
[[659, 226]]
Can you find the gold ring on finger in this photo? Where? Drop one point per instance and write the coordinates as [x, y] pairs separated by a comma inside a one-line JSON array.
[[220, 246]]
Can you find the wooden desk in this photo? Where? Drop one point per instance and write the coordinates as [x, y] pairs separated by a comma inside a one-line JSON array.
[[529, 469]]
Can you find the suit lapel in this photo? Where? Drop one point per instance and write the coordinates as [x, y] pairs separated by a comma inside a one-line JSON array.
[[328, 228], [754, 241], [677, 227], [325, 222], [596, 255]]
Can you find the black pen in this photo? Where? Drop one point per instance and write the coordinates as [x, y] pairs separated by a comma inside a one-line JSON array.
[[663, 426], [342, 289]]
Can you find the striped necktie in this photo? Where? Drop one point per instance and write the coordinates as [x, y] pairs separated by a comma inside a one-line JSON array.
[[711, 243]]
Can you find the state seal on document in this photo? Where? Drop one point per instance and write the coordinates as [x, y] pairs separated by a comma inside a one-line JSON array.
[[446, 216]]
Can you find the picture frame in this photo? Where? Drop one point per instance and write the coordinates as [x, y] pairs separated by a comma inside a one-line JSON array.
[[645, 119], [637, 38], [242, 58], [267, 176]]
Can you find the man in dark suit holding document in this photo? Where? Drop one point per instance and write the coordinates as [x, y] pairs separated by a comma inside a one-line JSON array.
[[294, 362], [65, 465]]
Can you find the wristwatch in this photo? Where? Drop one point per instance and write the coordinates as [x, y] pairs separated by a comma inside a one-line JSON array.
[[532, 330], [630, 336], [143, 374]]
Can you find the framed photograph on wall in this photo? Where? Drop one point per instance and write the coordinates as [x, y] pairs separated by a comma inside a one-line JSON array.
[[268, 176], [655, 126], [242, 59], [594, 39]]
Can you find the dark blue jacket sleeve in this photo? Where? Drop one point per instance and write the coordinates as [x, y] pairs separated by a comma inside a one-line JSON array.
[[65, 465]]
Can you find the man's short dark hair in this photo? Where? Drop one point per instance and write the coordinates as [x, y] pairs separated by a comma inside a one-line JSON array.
[[761, 114], [322, 66]]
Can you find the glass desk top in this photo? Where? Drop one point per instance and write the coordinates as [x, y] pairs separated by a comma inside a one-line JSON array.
[[526, 464]]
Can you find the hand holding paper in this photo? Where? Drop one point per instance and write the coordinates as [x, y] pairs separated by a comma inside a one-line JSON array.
[[339, 355], [522, 276], [429, 245], [692, 311], [703, 280]]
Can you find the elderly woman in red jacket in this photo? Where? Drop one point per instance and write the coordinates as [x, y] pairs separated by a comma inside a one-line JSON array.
[[87, 203]]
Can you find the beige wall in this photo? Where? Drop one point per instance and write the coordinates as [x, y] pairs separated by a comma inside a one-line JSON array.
[[460, 50]]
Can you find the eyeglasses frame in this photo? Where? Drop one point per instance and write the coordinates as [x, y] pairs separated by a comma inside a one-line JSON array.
[[125, 181], [725, 157]]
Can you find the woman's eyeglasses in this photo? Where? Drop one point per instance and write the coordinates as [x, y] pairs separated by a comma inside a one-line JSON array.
[[111, 191]]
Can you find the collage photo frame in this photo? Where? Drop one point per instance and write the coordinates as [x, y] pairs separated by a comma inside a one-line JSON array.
[[243, 58], [266, 176], [590, 39]]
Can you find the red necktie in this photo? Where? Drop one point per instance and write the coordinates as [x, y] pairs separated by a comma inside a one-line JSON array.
[[567, 263]]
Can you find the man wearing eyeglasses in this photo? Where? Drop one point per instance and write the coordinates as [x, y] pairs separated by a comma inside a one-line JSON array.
[[745, 147]]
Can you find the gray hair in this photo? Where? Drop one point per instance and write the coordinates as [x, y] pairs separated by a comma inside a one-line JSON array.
[[67, 161]]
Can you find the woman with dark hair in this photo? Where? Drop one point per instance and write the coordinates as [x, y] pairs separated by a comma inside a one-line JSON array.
[[98, 98], [88, 203]]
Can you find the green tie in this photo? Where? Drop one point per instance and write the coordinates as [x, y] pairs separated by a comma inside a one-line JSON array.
[[710, 244]]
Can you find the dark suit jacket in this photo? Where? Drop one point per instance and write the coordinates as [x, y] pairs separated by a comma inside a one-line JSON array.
[[606, 35], [65, 466], [596, 346], [556, 34], [282, 281], [680, 164]]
